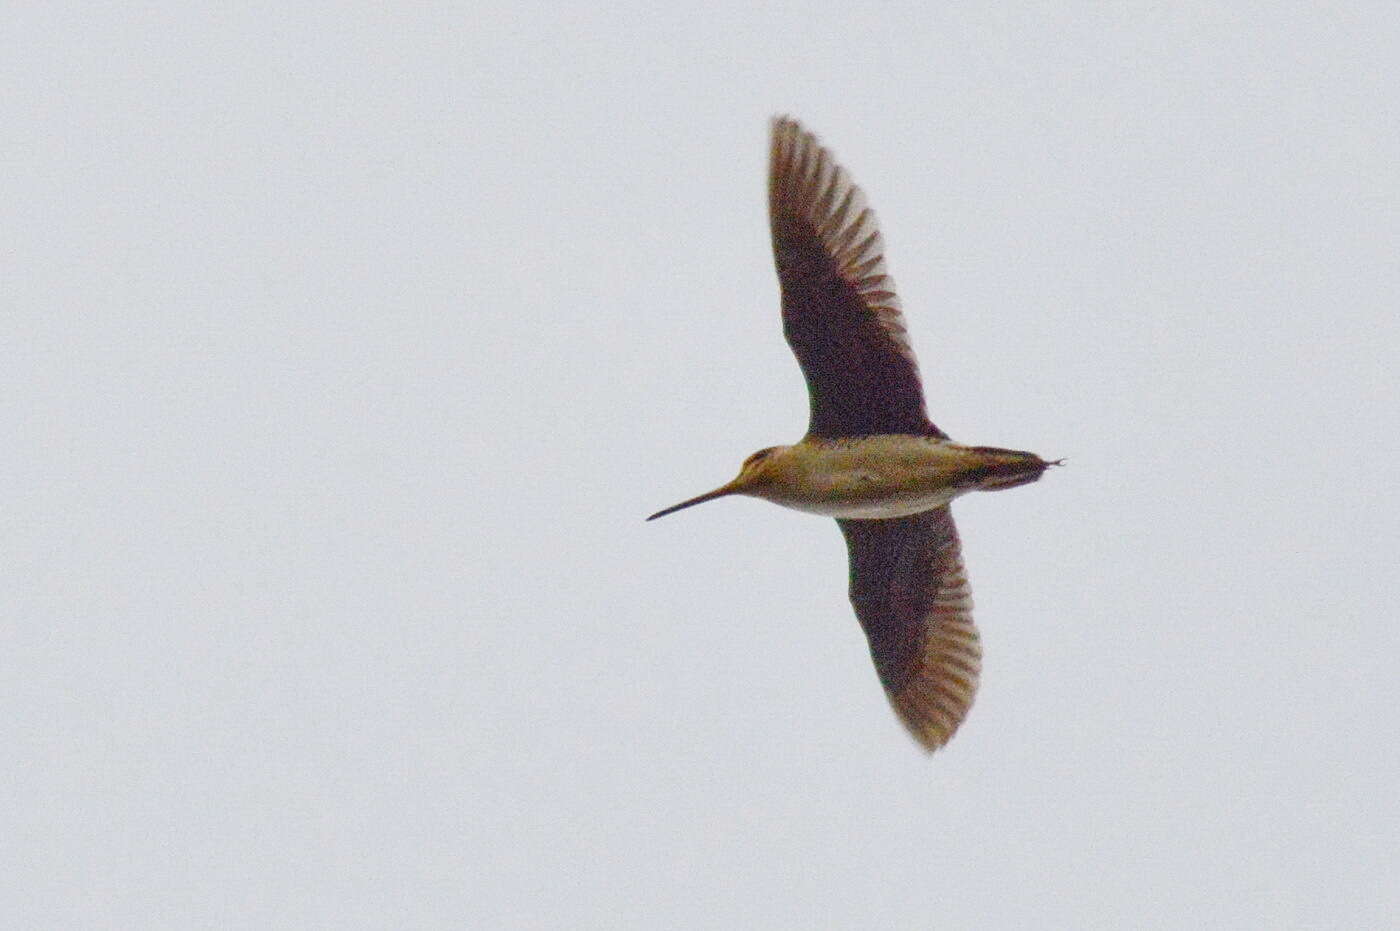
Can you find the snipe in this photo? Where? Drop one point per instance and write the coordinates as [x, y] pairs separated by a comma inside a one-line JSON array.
[[871, 458]]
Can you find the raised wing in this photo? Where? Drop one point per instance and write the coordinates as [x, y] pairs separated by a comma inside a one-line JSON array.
[[840, 312], [911, 595]]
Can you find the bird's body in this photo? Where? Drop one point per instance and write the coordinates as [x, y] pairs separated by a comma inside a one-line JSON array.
[[884, 475], [871, 457]]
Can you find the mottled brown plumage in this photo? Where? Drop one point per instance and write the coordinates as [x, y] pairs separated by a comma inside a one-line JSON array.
[[871, 457]]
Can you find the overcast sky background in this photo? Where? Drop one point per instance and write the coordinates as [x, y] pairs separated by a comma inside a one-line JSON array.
[[345, 347]]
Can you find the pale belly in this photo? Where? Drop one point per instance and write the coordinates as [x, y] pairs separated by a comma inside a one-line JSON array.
[[879, 506], [876, 477]]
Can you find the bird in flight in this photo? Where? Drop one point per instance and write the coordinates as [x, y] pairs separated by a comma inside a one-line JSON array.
[[871, 458]]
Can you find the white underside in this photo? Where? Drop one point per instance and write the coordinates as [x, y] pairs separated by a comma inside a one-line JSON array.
[[900, 506]]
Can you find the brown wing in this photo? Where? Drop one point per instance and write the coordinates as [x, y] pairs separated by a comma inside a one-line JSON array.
[[840, 313], [911, 595]]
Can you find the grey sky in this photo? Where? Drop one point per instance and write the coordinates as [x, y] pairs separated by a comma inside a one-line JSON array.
[[346, 346]]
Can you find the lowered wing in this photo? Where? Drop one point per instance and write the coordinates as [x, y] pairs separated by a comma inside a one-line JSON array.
[[911, 596]]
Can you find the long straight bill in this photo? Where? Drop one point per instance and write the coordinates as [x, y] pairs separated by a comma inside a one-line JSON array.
[[698, 499]]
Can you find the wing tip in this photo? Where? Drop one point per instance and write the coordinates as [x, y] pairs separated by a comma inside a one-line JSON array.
[[932, 713], [910, 592], [935, 700], [806, 182]]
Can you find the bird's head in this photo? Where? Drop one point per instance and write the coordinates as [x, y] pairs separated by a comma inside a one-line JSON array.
[[757, 471]]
